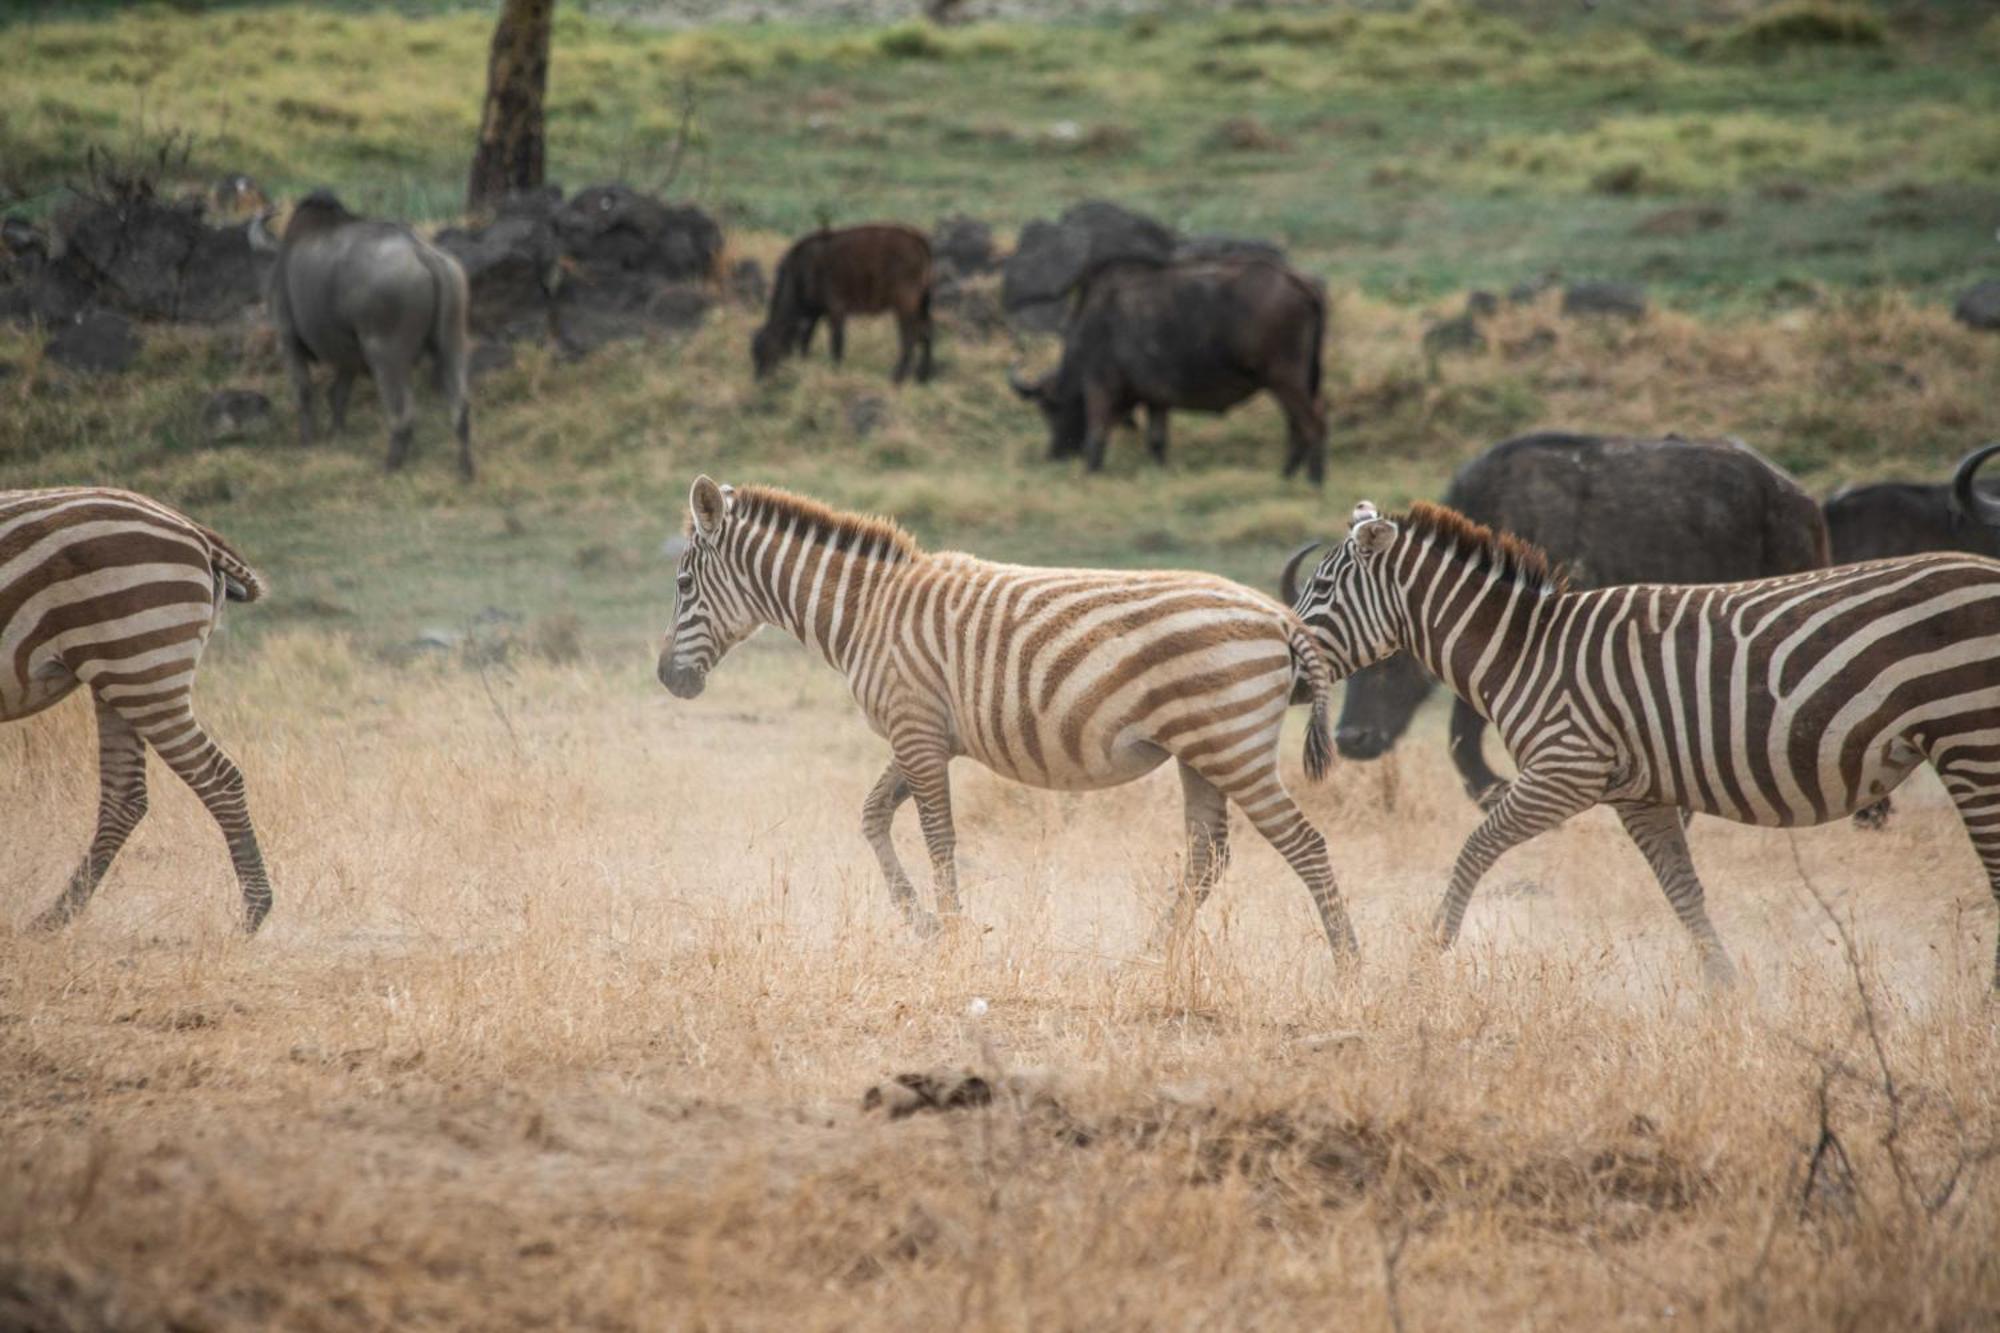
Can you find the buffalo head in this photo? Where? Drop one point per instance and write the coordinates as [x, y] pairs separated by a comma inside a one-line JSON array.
[[1062, 408]]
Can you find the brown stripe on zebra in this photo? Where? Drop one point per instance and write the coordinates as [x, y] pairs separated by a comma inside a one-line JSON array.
[[1062, 678], [1783, 701], [115, 592]]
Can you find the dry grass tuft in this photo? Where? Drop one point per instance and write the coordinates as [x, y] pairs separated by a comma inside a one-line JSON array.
[[572, 988]]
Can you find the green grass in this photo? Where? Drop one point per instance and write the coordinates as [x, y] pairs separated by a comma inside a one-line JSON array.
[[1407, 155], [1410, 153]]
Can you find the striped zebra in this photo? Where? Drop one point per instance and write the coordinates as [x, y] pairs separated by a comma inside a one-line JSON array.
[[111, 590], [1062, 678], [1783, 701]]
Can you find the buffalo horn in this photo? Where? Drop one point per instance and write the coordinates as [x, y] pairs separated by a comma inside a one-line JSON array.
[[1968, 499], [1288, 582]]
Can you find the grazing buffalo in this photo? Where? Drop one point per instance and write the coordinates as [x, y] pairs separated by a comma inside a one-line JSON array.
[[1202, 335], [360, 295], [1613, 511], [830, 275], [1890, 518]]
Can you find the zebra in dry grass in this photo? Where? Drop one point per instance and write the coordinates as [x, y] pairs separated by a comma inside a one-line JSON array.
[[110, 590], [1062, 678], [1783, 701]]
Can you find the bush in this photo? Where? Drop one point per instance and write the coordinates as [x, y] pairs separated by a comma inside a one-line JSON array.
[[1798, 25]]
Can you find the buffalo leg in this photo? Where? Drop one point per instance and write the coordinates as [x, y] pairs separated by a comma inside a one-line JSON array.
[[806, 334], [1099, 416], [392, 380], [1305, 430], [906, 349], [926, 336], [1468, 754], [337, 395], [453, 372], [299, 370], [1156, 431], [836, 337]]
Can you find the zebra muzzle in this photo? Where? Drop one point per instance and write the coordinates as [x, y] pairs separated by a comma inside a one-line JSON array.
[[681, 682]]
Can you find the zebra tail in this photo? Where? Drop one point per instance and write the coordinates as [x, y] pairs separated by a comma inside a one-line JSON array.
[[1306, 661], [240, 583]]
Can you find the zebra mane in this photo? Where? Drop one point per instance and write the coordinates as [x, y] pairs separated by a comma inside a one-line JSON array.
[[1501, 552], [821, 523]]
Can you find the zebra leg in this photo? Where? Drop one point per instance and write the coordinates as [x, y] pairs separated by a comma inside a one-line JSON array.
[[1529, 806], [1207, 853], [1976, 793], [198, 761], [878, 814], [927, 769], [1260, 793], [1662, 838], [121, 804]]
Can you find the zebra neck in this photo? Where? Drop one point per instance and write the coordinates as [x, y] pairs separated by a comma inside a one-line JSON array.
[[820, 593], [1461, 620]]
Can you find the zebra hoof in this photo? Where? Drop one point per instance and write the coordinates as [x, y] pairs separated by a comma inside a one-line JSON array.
[[253, 916], [924, 923], [54, 919]]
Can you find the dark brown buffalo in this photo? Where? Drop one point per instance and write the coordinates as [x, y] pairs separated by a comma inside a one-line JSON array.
[[1892, 518], [1612, 511], [830, 275], [1202, 335]]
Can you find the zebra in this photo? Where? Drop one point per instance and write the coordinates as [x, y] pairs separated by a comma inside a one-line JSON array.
[[1782, 701], [1061, 678], [111, 590]]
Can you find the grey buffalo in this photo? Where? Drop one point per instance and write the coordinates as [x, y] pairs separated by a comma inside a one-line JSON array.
[[361, 295], [1613, 511], [1201, 335], [1890, 518]]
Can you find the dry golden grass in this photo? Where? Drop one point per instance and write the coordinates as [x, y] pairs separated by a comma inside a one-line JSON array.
[[572, 993]]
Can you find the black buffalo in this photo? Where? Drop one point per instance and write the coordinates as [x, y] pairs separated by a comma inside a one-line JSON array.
[[1202, 335], [1613, 511], [1890, 518]]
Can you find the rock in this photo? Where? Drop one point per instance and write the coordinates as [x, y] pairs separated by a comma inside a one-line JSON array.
[[96, 340], [1457, 334], [1217, 245], [748, 284], [587, 318], [1051, 256], [964, 246], [156, 260], [511, 272], [1622, 299], [609, 231], [232, 414], [1979, 306], [34, 290]]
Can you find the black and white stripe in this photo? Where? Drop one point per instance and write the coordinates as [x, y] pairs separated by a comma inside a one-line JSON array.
[[1784, 701], [1063, 678], [118, 593]]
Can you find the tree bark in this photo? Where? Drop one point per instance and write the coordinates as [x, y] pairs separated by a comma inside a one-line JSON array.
[[509, 155]]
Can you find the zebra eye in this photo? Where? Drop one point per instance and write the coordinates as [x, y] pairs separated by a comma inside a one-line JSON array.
[[685, 583]]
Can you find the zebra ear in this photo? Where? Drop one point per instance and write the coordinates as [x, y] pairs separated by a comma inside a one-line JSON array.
[[1374, 535], [707, 502]]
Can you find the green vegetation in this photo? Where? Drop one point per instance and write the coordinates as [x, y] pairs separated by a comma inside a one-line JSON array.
[[1798, 218], [1409, 152]]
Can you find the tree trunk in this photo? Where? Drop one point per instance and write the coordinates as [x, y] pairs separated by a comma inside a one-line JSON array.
[[509, 155]]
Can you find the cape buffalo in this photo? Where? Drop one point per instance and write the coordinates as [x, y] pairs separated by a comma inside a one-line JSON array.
[[365, 295], [1613, 511], [854, 271], [1891, 518], [1202, 335]]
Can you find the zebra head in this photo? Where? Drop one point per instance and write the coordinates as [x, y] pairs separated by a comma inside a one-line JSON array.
[[1349, 603], [712, 614]]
